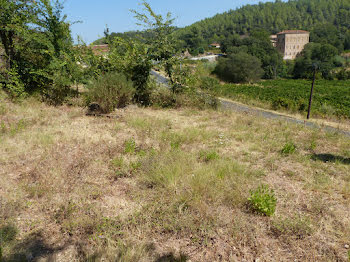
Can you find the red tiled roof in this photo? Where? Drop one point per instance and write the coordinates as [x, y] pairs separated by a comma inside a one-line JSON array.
[[100, 49], [293, 32]]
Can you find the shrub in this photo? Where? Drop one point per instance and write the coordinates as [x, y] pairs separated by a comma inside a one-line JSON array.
[[208, 83], [15, 86], [164, 98], [343, 74], [110, 91], [58, 91], [288, 148], [239, 68], [279, 103], [197, 100], [262, 200]]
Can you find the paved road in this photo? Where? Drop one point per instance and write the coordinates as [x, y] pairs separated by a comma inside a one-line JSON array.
[[160, 79], [211, 58], [238, 107]]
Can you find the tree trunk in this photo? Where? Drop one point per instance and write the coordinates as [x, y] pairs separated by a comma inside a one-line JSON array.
[[7, 41]]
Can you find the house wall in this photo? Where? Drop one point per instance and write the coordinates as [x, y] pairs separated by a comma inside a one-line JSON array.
[[290, 45]]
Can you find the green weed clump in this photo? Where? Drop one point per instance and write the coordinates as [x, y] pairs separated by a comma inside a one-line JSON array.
[[130, 146], [208, 156], [262, 200], [288, 148]]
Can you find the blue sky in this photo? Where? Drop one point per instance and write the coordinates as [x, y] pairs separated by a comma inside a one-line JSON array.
[[95, 15]]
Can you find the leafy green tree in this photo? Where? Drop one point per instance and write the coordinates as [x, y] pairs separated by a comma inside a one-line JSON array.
[[162, 47], [258, 45], [132, 58], [322, 55], [239, 68], [347, 40], [38, 47], [327, 34], [14, 19]]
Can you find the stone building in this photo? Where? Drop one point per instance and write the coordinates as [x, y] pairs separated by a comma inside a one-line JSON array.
[[273, 39], [291, 42]]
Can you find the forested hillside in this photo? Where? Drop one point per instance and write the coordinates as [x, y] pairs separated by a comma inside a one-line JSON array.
[[327, 21], [126, 35]]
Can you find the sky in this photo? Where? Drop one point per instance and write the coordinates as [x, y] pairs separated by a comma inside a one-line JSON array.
[[93, 15]]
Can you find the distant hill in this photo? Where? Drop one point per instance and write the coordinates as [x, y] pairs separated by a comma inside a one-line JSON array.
[[129, 34], [312, 15], [328, 21], [140, 35]]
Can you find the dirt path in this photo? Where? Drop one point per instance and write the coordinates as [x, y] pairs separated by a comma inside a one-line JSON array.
[[241, 108]]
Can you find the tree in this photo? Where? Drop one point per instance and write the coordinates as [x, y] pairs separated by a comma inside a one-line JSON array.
[[314, 53], [347, 40], [38, 47], [133, 59], [162, 46], [327, 34], [258, 45], [239, 68], [14, 19]]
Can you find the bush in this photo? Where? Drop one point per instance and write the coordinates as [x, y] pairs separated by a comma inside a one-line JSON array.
[[15, 86], [239, 68], [263, 200], [208, 83], [110, 91], [343, 74], [279, 103], [59, 90], [164, 98], [197, 100]]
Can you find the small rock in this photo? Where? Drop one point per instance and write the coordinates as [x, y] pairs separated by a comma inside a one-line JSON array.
[[347, 246]]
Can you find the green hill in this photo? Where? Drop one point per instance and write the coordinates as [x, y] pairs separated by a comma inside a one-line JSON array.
[[324, 18]]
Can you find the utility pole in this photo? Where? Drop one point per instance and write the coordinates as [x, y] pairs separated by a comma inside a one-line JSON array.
[[312, 90]]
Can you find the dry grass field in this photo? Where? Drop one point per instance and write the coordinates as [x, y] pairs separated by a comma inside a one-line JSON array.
[[168, 185]]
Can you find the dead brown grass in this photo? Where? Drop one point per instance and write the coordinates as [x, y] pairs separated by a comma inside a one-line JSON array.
[[167, 185]]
